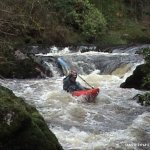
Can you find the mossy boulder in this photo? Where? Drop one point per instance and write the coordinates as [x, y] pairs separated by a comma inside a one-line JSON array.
[[22, 127], [137, 79]]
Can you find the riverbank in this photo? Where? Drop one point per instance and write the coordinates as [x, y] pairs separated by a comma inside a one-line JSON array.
[[103, 23], [49, 24]]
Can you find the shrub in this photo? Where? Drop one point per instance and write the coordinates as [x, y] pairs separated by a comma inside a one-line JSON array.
[[82, 16], [146, 53], [143, 99]]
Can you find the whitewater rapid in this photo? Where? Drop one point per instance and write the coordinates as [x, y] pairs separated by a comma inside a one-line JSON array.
[[113, 121]]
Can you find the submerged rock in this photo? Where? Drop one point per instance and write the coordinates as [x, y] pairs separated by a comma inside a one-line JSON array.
[[22, 127]]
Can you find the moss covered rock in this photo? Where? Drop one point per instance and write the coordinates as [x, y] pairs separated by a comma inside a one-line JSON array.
[[22, 127]]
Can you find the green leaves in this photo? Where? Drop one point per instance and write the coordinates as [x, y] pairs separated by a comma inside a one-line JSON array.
[[82, 16], [146, 53], [94, 23], [147, 81], [144, 99]]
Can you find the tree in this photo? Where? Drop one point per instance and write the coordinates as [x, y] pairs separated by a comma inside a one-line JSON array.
[[146, 53], [82, 16]]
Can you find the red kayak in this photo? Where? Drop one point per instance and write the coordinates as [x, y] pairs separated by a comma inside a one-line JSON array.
[[89, 95]]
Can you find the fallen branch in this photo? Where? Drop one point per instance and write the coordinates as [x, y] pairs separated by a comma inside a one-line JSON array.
[[6, 11]]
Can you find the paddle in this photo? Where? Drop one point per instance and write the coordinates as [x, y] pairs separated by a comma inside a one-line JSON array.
[[64, 65], [86, 82]]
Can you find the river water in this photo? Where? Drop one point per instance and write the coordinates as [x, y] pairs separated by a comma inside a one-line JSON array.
[[114, 121]]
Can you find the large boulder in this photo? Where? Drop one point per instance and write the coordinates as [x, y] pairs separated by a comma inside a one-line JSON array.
[[21, 66], [22, 127], [137, 79]]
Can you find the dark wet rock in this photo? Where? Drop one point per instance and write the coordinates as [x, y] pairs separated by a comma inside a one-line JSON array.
[[107, 64], [21, 69], [22, 127], [137, 79], [131, 48], [20, 66], [30, 49]]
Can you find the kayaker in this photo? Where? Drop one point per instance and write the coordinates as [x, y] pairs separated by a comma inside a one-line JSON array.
[[70, 84]]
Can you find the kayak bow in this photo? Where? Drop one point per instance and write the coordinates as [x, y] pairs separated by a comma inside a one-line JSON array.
[[89, 95]]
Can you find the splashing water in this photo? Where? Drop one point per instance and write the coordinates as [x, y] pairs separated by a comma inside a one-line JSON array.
[[114, 121]]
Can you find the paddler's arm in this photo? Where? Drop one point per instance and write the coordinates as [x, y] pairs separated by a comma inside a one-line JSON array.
[[80, 87]]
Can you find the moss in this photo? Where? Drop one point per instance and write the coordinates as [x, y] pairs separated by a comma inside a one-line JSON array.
[[134, 32], [22, 127], [112, 38], [143, 99]]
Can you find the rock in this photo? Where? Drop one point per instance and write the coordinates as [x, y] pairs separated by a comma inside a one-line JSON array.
[[136, 80], [22, 127], [19, 55], [22, 69], [16, 64]]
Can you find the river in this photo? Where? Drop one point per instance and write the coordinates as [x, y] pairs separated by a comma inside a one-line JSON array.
[[113, 121]]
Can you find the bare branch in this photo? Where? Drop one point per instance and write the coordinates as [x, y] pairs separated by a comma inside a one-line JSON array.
[[11, 13], [6, 33], [6, 11]]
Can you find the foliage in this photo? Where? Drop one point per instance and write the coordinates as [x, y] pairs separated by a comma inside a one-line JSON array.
[[133, 31], [146, 53], [129, 19], [112, 38], [29, 21], [112, 10], [72, 21], [82, 16], [94, 24], [147, 81], [143, 99], [137, 9]]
